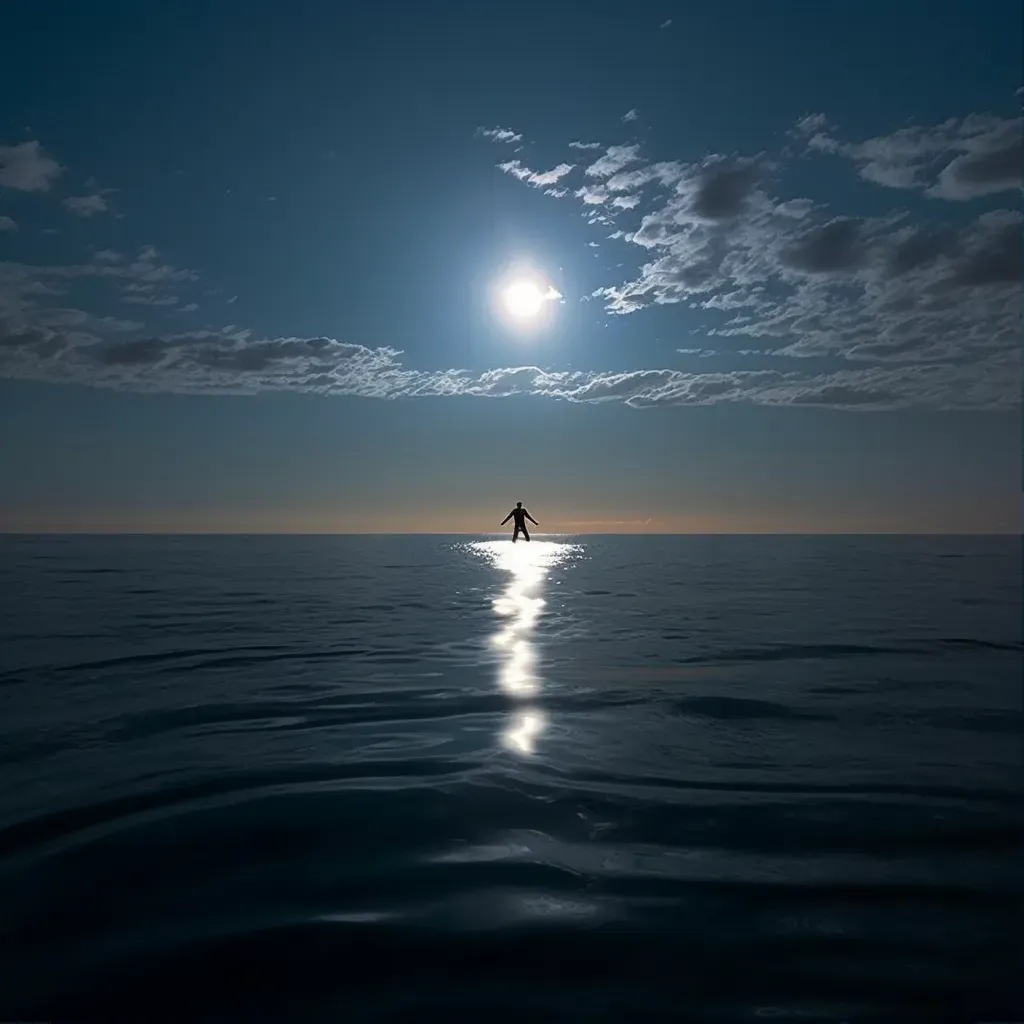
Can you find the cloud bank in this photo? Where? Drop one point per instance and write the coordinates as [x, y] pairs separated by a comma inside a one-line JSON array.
[[959, 159], [73, 347], [840, 309], [921, 303]]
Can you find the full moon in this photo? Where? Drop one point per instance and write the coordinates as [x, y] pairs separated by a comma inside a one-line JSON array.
[[523, 299]]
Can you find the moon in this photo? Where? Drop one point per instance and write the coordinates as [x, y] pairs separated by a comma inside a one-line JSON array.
[[523, 299]]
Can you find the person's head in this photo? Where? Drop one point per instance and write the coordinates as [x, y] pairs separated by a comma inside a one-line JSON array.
[[519, 504]]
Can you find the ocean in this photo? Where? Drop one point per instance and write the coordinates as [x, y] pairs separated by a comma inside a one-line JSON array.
[[581, 779]]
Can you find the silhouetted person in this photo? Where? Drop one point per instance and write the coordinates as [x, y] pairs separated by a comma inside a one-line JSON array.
[[520, 515]]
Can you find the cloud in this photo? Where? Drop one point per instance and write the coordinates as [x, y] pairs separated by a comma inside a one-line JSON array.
[[630, 115], [29, 293], [828, 249], [550, 177], [145, 268], [151, 300], [7, 224], [666, 172], [585, 145], [26, 167], [499, 134], [665, 23], [982, 172], [791, 279], [849, 312], [208, 362], [913, 295], [149, 351], [86, 206], [914, 248], [63, 318], [959, 159], [33, 346], [810, 124], [993, 252], [722, 191], [42, 339], [593, 195], [617, 158], [536, 178], [796, 208]]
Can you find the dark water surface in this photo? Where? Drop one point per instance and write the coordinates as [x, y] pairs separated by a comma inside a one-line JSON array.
[[608, 778]]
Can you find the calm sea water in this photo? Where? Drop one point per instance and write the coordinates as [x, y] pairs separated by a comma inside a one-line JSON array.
[[582, 779]]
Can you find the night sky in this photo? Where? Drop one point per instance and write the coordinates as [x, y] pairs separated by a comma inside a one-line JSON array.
[[658, 267]]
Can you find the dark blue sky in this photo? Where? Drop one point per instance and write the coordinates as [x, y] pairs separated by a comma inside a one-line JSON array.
[[251, 259]]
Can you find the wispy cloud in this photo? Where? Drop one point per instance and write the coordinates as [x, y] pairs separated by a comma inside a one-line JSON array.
[[536, 178], [631, 115], [28, 292], [41, 340], [959, 159], [899, 305], [27, 168], [809, 124], [841, 310], [585, 145], [593, 195], [499, 134], [7, 224], [87, 206], [234, 363], [616, 158], [151, 300]]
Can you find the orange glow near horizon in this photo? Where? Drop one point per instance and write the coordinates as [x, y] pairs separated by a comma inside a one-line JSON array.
[[484, 522]]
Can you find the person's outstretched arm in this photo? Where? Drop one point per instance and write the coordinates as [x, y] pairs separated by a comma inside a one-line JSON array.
[[532, 520], [507, 518]]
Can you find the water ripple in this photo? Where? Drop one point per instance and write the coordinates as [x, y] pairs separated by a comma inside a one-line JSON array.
[[615, 779]]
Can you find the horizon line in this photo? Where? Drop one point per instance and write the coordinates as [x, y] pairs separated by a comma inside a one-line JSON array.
[[555, 533]]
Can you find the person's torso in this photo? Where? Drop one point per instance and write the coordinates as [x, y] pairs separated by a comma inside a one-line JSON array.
[[519, 514]]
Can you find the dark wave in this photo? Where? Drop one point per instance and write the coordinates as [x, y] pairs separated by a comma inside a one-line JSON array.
[[738, 708], [797, 652]]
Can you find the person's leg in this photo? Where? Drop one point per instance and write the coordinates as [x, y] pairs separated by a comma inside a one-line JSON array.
[[515, 535], [526, 532]]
